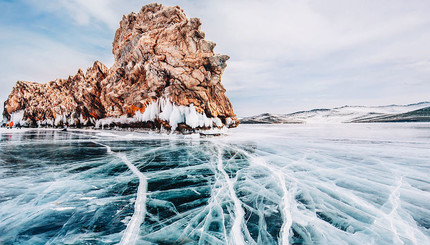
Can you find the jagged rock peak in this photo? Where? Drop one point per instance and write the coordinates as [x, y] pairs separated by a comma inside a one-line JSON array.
[[165, 74]]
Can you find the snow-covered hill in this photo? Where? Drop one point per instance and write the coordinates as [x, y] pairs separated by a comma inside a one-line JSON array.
[[347, 114]]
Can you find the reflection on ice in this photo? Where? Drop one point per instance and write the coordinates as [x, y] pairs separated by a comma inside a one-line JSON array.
[[353, 184]]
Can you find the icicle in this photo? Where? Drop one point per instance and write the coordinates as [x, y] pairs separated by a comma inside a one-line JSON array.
[[191, 117]]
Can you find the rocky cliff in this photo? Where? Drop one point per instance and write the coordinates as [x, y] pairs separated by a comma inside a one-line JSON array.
[[165, 75]]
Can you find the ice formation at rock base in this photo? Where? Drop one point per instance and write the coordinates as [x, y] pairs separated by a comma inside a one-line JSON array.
[[162, 114]]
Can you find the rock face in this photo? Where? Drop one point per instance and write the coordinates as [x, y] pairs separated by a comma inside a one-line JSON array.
[[165, 74]]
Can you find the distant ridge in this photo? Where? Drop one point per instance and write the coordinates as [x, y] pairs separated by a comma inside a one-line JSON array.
[[417, 112], [420, 115]]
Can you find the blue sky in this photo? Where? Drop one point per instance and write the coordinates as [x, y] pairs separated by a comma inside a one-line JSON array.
[[286, 55]]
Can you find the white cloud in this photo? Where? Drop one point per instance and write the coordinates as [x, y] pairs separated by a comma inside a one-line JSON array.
[[89, 12], [27, 56], [322, 49], [289, 54], [303, 30]]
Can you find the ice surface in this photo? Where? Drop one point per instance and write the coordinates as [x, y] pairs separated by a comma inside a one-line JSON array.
[[276, 184]]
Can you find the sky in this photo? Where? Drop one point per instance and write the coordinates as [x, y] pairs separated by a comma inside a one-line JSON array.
[[286, 55]]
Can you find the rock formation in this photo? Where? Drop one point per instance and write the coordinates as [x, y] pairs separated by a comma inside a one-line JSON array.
[[165, 74]]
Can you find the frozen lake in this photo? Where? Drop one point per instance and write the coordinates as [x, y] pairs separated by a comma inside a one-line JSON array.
[[274, 184]]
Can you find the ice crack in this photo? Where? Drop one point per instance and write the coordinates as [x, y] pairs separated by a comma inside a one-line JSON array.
[[286, 199], [131, 233], [236, 233], [285, 205], [395, 202]]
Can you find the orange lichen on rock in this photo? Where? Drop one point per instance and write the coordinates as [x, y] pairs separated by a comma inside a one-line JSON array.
[[93, 114], [125, 38], [131, 110]]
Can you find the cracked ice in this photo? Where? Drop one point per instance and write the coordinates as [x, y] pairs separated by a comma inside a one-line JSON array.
[[291, 184]]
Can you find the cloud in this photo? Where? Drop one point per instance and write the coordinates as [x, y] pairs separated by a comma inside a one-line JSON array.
[[84, 12], [312, 53], [285, 55], [31, 57]]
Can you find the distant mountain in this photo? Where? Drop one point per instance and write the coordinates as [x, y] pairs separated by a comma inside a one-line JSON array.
[[420, 115], [267, 118], [419, 112]]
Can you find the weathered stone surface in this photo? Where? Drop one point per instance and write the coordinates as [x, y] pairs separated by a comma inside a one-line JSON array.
[[159, 53]]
